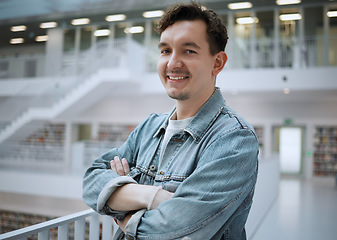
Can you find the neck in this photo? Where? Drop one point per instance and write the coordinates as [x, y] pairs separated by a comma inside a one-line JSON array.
[[189, 108], [184, 111]]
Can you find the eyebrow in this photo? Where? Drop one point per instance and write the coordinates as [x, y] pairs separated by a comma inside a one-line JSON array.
[[162, 44], [186, 44]]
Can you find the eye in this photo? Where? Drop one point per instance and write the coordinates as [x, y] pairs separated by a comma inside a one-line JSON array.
[[190, 51], [165, 51]]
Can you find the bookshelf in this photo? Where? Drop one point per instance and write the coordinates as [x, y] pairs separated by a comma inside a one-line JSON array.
[[108, 137], [52, 134], [325, 151], [114, 132], [42, 149]]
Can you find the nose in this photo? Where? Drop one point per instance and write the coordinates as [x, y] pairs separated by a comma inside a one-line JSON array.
[[174, 62]]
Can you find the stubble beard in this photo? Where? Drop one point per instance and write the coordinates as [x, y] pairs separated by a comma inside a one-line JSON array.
[[179, 97]]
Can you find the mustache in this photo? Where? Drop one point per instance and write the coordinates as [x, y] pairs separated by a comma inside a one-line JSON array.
[[177, 72]]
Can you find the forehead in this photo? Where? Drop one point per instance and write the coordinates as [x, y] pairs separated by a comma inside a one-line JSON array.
[[185, 31]]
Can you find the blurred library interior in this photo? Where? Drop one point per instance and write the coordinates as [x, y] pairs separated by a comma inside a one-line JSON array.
[[77, 76]]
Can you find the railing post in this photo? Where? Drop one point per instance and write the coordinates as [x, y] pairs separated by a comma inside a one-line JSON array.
[[94, 227], [79, 229], [62, 232], [252, 42], [276, 38], [107, 227], [302, 44], [43, 235], [230, 45], [148, 33], [326, 43]]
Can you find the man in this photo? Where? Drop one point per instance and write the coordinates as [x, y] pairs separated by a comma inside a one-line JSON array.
[[189, 174]]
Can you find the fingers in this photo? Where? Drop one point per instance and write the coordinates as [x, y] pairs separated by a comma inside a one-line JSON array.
[[113, 166], [125, 166], [120, 167]]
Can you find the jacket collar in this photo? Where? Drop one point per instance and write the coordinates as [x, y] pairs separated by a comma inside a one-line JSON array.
[[204, 118]]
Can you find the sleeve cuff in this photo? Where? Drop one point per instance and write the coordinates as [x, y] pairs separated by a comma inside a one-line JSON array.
[[132, 225], [109, 188]]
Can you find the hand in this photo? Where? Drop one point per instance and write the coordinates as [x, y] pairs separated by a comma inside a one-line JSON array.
[[122, 224], [120, 167]]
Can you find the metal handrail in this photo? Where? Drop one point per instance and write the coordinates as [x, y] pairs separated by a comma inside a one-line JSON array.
[[62, 225]]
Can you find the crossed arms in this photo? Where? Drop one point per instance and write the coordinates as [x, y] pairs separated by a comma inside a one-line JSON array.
[[133, 196]]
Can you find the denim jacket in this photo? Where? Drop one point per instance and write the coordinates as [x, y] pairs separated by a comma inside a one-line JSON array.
[[211, 167]]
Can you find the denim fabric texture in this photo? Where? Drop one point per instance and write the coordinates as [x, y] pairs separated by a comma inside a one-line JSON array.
[[211, 167]]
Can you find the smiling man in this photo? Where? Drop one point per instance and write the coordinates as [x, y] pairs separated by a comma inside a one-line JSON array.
[[189, 174], [186, 67]]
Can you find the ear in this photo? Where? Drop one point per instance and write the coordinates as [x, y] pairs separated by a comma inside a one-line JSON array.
[[219, 63]]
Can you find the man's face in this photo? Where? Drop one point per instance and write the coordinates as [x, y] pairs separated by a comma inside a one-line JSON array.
[[185, 66]]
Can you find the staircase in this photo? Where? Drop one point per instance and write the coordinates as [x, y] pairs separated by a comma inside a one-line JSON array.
[[106, 66]]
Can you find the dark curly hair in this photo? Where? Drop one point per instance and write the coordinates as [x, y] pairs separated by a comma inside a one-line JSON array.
[[216, 31]]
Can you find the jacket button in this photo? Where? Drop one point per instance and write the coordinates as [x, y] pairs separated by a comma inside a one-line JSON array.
[[153, 168]]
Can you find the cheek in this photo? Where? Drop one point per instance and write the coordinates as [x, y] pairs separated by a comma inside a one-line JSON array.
[[201, 70], [208, 68], [161, 65]]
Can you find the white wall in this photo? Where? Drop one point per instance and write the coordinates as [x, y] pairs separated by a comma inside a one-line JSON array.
[[266, 191]]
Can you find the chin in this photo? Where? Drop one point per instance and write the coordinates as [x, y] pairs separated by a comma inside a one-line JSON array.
[[178, 96]]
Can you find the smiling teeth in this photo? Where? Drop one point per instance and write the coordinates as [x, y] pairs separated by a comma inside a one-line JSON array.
[[176, 78]]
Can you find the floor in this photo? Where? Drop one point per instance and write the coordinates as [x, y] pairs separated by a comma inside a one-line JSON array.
[[40, 205], [303, 210]]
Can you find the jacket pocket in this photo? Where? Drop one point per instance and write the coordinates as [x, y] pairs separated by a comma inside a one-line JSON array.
[[171, 186], [171, 183]]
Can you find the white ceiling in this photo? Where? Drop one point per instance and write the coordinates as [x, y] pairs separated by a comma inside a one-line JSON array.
[[11, 9]]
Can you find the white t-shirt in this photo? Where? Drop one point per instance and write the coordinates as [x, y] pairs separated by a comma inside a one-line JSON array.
[[173, 127]]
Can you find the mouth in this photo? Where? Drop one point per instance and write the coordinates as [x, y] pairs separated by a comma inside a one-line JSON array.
[[177, 78]]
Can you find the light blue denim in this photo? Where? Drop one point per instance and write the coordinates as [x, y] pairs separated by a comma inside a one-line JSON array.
[[211, 167]]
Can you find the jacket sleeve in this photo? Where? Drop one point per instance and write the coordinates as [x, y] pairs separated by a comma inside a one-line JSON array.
[[99, 182], [221, 186]]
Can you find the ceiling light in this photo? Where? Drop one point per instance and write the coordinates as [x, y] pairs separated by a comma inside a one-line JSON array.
[[80, 21], [153, 14], [16, 41], [332, 14], [240, 5], [247, 20], [18, 28], [290, 17], [287, 2], [48, 25], [136, 29], [43, 38], [102, 32], [286, 91], [114, 18]]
